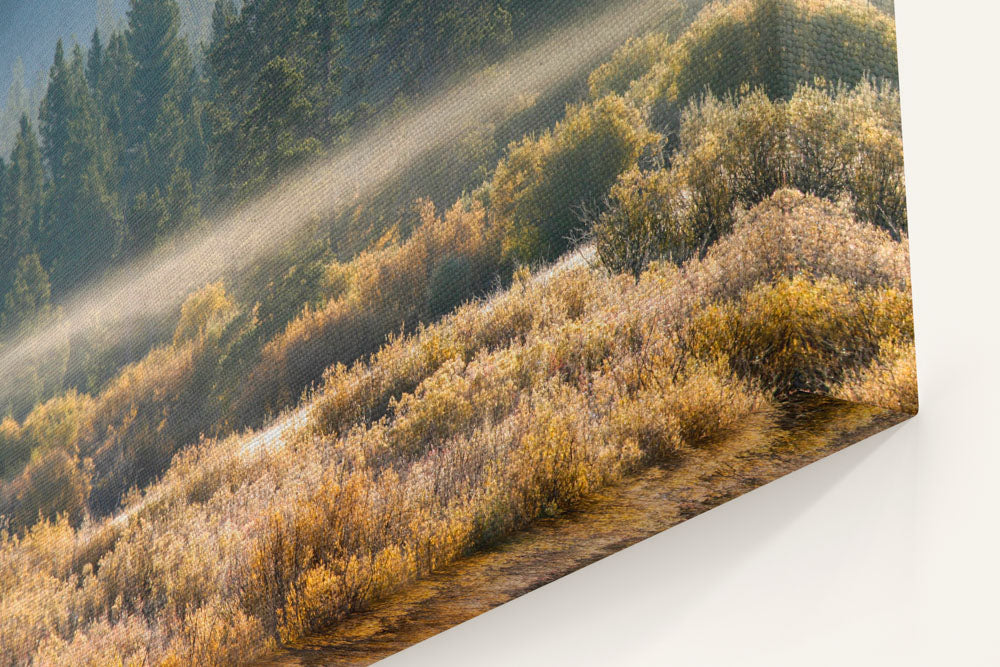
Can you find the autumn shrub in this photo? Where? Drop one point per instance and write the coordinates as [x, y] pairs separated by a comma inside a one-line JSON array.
[[53, 482], [393, 289], [15, 449], [791, 234], [541, 183], [482, 445], [204, 313], [643, 221], [59, 423], [889, 382], [849, 141], [364, 391], [839, 144], [825, 142], [142, 418], [800, 333], [445, 441], [770, 44], [682, 404], [630, 62]]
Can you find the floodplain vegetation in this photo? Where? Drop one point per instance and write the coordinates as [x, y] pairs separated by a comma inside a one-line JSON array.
[[660, 270]]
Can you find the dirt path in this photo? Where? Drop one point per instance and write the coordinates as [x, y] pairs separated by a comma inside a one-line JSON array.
[[607, 522]]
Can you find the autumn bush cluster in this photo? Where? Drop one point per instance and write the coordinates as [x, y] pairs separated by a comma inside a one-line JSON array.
[[454, 436], [76, 454], [839, 143]]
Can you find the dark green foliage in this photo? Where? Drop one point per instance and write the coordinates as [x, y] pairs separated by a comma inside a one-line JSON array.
[[83, 223], [160, 116], [21, 220], [416, 39], [276, 74], [29, 294], [95, 62]]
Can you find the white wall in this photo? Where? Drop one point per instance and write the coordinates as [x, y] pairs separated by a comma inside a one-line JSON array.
[[884, 554]]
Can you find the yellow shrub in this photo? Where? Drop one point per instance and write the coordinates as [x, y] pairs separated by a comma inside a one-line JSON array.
[[540, 185], [205, 312], [889, 382], [629, 63], [799, 333], [792, 234], [772, 44], [60, 422]]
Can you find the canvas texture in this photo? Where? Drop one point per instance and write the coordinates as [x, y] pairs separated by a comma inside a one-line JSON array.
[[328, 325]]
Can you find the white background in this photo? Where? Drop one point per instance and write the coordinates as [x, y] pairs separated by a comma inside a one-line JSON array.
[[887, 553]]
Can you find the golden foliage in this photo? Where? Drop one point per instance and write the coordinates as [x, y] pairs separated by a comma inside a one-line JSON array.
[[630, 62], [800, 333], [539, 186], [205, 312], [890, 381]]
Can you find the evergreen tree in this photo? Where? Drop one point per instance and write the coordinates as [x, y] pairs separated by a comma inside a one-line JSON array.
[[114, 87], [95, 61], [54, 115], [162, 131], [275, 131], [20, 222], [16, 105], [276, 81], [161, 57], [83, 226], [29, 295]]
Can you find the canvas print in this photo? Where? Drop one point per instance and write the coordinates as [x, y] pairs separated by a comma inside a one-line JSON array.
[[327, 325]]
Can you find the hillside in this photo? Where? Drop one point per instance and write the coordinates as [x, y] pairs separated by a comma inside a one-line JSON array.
[[668, 263], [452, 438]]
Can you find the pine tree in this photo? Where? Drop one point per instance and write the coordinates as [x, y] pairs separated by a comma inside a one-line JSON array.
[[276, 80], [114, 91], [162, 130], [95, 62], [275, 132], [83, 227], [16, 105], [54, 115], [29, 296], [20, 222], [161, 57]]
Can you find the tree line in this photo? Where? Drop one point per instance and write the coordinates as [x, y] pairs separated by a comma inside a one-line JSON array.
[[140, 135]]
